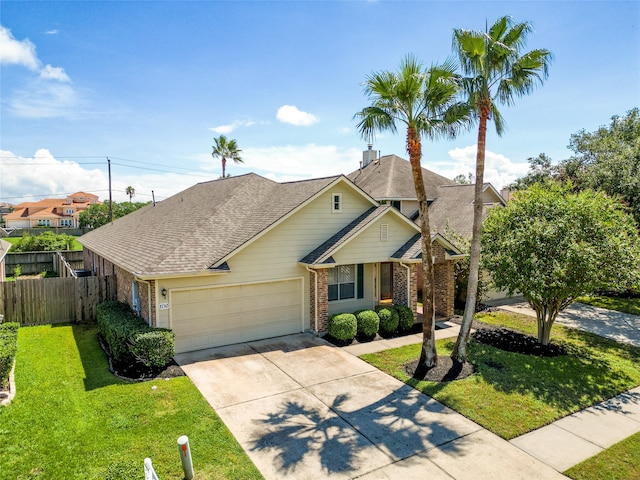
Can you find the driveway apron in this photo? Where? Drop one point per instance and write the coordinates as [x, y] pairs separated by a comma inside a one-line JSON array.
[[302, 408]]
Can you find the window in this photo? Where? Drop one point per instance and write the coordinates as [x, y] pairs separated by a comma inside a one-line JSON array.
[[68, 211], [394, 203], [346, 282], [336, 203], [44, 223]]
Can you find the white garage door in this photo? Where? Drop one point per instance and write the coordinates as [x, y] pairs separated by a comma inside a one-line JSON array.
[[211, 317]]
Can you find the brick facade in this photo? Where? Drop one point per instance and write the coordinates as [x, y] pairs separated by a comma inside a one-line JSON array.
[[443, 273], [322, 302], [399, 284], [102, 267]]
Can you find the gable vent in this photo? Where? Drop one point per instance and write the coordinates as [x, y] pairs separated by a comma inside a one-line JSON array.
[[384, 232]]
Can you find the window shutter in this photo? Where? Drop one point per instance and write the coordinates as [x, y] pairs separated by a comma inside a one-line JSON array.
[[360, 280]]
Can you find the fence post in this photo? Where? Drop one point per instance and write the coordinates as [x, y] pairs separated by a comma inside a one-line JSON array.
[[185, 456], [149, 472]]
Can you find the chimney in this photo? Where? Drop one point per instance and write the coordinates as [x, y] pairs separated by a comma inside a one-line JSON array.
[[368, 156]]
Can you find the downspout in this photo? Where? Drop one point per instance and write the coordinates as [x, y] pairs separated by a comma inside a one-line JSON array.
[[315, 295], [408, 282], [148, 284]]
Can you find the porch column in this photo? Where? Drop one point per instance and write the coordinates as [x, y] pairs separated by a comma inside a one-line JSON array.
[[400, 284], [322, 301], [444, 288]]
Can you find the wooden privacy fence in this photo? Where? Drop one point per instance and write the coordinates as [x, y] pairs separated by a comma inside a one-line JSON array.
[[55, 300], [38, 262]]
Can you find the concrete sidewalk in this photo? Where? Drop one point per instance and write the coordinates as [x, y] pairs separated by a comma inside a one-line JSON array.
[[618, 326]]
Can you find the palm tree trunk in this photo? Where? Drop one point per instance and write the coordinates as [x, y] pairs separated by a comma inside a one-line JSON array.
[[428, 355], [459, 353], [224, 165]]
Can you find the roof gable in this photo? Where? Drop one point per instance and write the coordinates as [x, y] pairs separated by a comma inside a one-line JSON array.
[[390, 177], [200, 228]]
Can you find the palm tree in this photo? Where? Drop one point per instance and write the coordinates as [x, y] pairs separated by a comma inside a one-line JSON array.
[[424, 102], [494, 71], [131, 192], [226, 150]]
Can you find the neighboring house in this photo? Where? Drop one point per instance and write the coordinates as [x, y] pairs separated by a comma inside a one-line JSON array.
[[245, 258], [51, 212], [4, 249]]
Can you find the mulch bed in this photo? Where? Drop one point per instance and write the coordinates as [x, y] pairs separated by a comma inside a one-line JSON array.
[[136, 371]]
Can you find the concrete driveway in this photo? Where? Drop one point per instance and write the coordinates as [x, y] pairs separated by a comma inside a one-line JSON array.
[[302, 408]]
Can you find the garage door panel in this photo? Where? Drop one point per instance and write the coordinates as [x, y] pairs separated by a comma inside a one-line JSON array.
[[211, 317]]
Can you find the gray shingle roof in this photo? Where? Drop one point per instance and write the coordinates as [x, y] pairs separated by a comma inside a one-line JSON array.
[[453, 207], [195, 230], [322, 254], [390, 177]]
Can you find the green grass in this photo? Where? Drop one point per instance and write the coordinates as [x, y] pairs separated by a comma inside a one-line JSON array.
[[511, 393], [626, 305], [13, 240], [618, 462], [71, 418]]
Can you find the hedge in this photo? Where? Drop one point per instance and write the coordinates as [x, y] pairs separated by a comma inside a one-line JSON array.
[[368, 323], [130, 339], [343, 326], [406, 317], [389, 319], [8, 348]]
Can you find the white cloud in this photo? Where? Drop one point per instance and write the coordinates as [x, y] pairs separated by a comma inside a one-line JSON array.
[[24, 179], [289, 162], [54, 73], [499, 170], [44, 100], [291, 114], [14, 52], [230, 127], [46, 96], [51, 32]]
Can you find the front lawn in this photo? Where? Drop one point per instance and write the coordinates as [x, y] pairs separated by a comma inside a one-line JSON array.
[[626, 305], [71, 418], [76, 245], [511, 393], [618, 462]]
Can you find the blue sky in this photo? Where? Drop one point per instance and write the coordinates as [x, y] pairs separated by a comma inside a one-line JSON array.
[[150, 84]]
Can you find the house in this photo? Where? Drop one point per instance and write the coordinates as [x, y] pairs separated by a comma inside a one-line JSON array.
[[51, 212], [245, 258], [389, 180]]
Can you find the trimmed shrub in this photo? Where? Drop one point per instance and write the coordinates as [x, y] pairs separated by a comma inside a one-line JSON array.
[[129, 338], [154, 348], [8, 348], [368, 323], [407, 318], [389, 320], [343, 326]]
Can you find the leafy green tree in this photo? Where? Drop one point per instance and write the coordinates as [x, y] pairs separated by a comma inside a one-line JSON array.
[[553, 245], [98, 213], [464, 179], [226, 150], [541, 170], [45, 242], [495, 71], [423, 101], [608, 159]]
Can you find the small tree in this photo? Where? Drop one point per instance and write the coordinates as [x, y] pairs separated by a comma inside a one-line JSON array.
[[553, 245], [131, 192]]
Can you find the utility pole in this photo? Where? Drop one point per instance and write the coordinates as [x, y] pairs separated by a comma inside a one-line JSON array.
[[110, 199]]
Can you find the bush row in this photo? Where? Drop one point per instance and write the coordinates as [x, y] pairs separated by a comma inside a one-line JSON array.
[[366, 323], [130, 339], [8, 347]]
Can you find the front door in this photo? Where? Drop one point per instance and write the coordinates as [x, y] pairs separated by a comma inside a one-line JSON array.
[[386, 281]]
